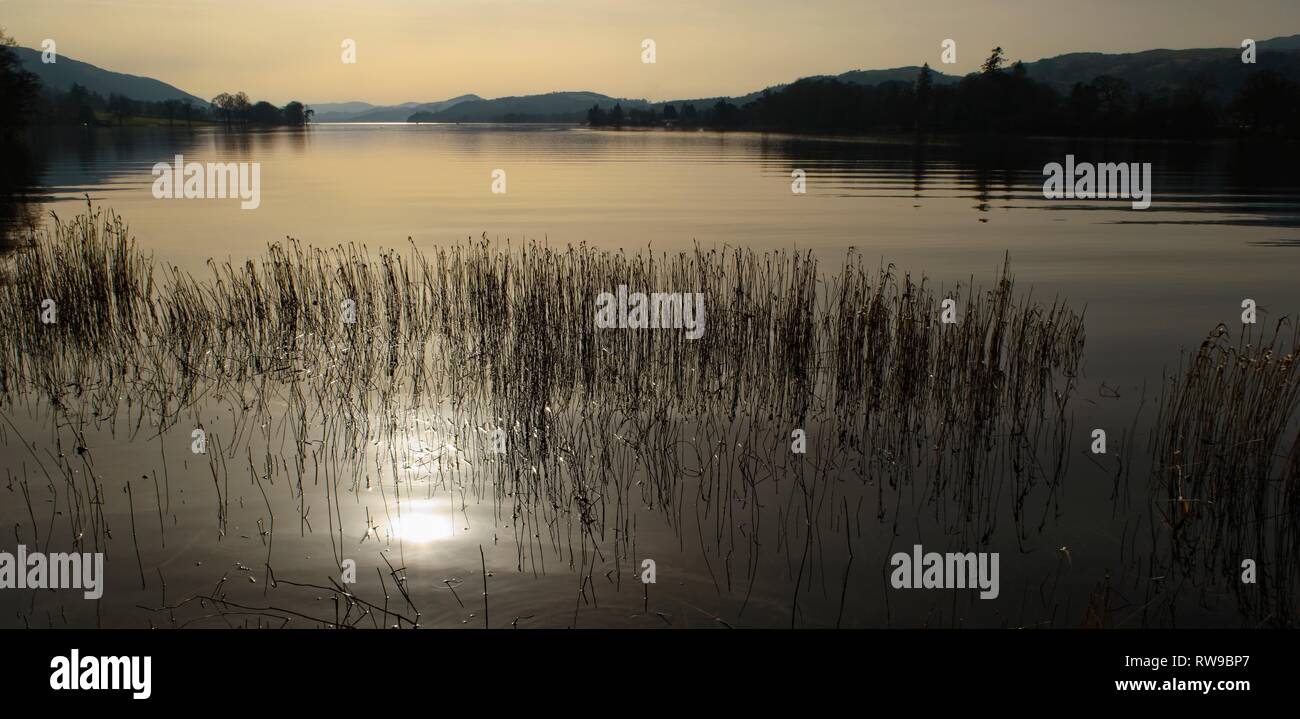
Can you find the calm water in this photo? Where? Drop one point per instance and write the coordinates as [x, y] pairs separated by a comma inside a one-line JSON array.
[[1224, 225]]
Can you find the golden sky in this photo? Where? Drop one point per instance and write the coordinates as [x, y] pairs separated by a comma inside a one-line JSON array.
[[425, 50]]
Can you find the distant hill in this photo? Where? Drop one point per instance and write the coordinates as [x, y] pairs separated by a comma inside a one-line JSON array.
[[65, 71], [1290, 42], [551, 107], [861, 77], [365, 112], [330, 109], [399, 113], [1153, 70], [898, 74], [703, 102], [1147, 71], [1150, 71], [345, 111]]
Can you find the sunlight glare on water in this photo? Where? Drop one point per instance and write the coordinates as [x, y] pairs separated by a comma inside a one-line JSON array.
[[422, 521]]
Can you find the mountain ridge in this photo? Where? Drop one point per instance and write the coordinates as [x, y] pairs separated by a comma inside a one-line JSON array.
[[1145, 71], [399, 113], [65, 71]]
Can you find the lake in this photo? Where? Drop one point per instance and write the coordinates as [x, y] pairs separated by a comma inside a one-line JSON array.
[[411, 505]]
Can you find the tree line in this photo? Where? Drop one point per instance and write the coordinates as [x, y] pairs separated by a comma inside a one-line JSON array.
[[79, 105], [997, 99], [24, 100]]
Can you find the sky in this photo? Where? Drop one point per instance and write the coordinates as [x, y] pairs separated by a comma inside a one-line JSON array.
[[427, 50]]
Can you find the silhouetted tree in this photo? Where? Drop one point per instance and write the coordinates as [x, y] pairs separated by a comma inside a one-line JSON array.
[[1112, 94], [18, 88], [725, 114], [1267, 104], [120, 107], [993, 63], [233, 108], [924, 90], [264, 113], [294, 113], [224, 104], [241, 106], [643, 117]]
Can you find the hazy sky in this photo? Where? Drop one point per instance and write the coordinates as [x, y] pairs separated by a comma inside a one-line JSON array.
[[424, 50]]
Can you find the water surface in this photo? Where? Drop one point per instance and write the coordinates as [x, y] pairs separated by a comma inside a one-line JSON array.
[[1151, 284]]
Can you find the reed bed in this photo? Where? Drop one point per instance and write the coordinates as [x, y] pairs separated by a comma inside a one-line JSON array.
[[968, 419], [516, 324], [1227, 477]]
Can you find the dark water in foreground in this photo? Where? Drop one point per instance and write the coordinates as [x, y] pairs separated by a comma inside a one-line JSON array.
[[1222, 227]]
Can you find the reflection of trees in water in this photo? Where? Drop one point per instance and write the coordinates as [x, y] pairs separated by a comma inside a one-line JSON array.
[[76, 157], [19, 175], [1208, 177], [42, 162], [984, 167]]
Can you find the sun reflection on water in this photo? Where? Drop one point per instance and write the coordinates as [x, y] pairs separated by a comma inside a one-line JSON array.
[[422, 521]]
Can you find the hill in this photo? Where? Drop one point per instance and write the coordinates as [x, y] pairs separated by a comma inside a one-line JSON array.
[[365, 112], [65, 71], [898, 74], [1153, 70], [399, 113], [551, 107]]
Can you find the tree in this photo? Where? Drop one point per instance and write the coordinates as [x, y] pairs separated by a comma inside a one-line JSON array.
[[264, 113], [924, 81], [616, 115], [1112, 95], [224, 103], [18, 88], [76, 105], [924, 90], [642, 117], [120, 106], [670, 112], [1267, 103], [234, 108], [241, 106], [994, 63], [294, 113], [725, 114]]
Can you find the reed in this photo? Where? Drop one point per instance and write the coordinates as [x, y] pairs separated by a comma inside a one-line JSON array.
[[969, 420], [1226, 456]]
